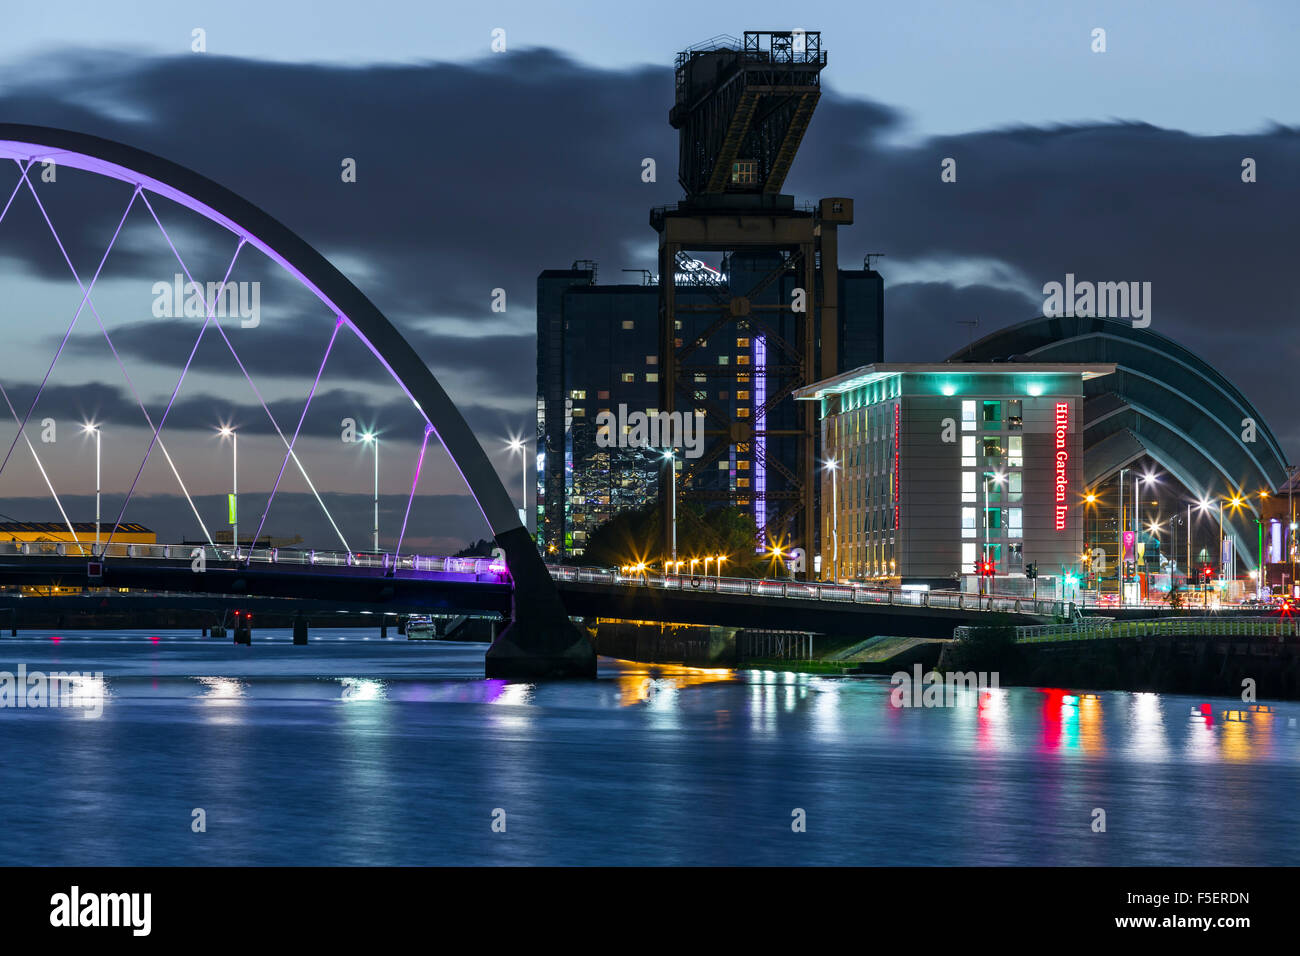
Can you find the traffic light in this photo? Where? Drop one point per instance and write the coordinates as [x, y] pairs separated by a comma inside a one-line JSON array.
[[985, 569], [1031, 571], [1207, 572]]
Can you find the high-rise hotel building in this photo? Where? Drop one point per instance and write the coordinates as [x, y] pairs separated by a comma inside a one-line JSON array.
[[930, 468]]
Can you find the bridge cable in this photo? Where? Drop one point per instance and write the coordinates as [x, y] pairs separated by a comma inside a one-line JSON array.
[[130, 383], [428, 430], [22, 425], [49, 484], [251, 384], [338, 324], [157, 439]]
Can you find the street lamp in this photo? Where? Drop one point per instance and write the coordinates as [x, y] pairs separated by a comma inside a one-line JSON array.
[[1119, 523], [92, 429], [520, 446], [225, 431], [672, 468], [370, 438], [833, 468], [717, 568]]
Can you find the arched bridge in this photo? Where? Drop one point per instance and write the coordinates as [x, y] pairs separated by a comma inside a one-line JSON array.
[[540, 641]]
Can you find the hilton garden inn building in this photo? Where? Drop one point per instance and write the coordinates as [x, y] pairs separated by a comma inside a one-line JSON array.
[[928, 469]]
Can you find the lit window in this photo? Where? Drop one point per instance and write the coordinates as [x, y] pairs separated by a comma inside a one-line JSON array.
[[578, 393], [968, 558], [603, 393], [968, 417], [967, 450], [629, 324], [968, 486], [700, 377], [701, 395], [742, 412], [652, 360], [1014, 517], [742, 395], [1016, 450], [629, 377], [652, 376], [992, 447], [742, 343], [722, 360], [1015, 413], [744, 172], [742, 482], [992, 414], [968, 522], [743, 465], [742, 359], [1015, 485]]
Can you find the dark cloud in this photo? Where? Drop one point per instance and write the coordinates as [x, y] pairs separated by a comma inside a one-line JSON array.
[[477, 176]]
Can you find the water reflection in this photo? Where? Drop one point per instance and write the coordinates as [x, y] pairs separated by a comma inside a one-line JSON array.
[[385, 752]]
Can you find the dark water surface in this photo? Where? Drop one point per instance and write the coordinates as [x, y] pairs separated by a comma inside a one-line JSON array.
[[370, 751]]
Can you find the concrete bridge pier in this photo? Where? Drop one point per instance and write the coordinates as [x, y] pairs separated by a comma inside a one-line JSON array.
[[243, 634], [540, 641], [299, 631]]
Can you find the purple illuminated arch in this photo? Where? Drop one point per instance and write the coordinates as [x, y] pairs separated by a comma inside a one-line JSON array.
[[249, 223]]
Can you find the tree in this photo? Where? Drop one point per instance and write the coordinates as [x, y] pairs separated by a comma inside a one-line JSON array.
[[482, 548], [630, 537]]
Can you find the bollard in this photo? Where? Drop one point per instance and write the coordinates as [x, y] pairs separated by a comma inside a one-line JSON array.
[[299, 631]]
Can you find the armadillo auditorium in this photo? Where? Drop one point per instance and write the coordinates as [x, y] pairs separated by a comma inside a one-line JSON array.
[[1060, 443]]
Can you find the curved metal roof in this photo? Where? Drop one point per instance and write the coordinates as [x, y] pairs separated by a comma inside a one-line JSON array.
[[1163, 401]]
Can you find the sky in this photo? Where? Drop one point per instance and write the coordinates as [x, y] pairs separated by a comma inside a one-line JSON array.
[[478, 169]]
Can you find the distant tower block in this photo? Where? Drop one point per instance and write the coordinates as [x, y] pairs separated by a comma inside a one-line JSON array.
[[742, 113]]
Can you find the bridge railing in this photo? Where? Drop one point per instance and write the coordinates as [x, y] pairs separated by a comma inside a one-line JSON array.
[[1105, 628], [492, 569]]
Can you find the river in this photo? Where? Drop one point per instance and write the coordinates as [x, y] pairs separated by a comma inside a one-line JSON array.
[[362, 750]]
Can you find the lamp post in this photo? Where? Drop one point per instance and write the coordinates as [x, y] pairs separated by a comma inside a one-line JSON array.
[[1290, 536], [96, 431], [1119, 523], [833, 468], [717, 568], [520, 446], [672, 510], [227, 432], [371, 438]]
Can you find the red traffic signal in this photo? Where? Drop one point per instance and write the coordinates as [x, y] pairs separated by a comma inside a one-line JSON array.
[[985, 569]]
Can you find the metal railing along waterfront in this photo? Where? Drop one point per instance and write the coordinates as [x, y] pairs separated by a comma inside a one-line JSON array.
[[811, 590], [850, 594], [1105, 628]]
